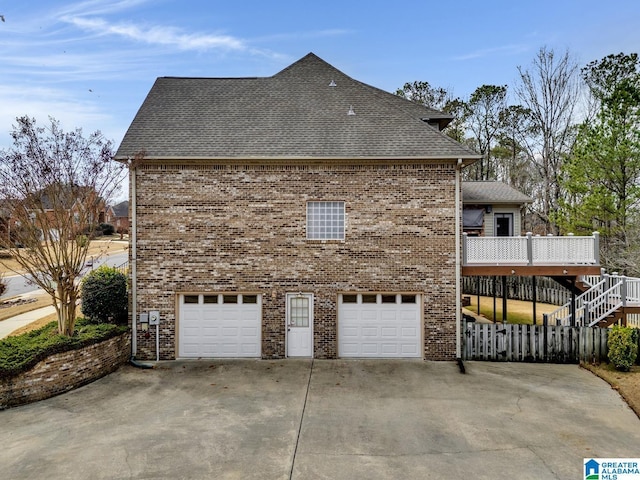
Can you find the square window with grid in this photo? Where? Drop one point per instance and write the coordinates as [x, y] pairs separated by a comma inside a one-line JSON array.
[[325, 220]]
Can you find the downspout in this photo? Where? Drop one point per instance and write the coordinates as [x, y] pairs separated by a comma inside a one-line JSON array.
[[134, 271], [458, 266]]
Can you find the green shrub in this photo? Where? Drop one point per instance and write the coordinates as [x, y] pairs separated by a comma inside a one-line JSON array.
[[104, 296], [106, 229], [21, 352], [82, 240], [623, 347]]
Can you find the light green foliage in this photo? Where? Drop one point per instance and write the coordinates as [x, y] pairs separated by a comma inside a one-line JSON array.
[[623, 347], [82, 241], [104, 296]]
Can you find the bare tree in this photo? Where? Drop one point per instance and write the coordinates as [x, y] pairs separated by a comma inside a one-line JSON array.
[[512, 159], [485, 107], [550, 89], [438, 98], [57, 185], [424, 94]]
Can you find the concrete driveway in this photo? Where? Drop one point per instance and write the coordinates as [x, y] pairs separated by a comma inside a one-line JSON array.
[[322, 419]]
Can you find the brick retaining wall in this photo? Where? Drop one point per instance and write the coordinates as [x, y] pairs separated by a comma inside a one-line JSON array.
[[62, 372]]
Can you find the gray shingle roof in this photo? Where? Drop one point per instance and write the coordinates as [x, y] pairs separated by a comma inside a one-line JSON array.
[[482, 193], [293, 114], [121, 209]]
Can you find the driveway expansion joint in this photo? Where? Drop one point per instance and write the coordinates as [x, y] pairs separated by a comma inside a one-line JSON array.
[[304, 407]]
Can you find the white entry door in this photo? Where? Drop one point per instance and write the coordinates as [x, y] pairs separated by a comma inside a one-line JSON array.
[[299, 324]]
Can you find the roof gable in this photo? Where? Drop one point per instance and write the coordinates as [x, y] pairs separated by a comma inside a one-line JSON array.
[[310, 109], [121, 209], [488, 192]]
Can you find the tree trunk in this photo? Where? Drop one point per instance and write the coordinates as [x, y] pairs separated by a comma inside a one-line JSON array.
[[66, 308]]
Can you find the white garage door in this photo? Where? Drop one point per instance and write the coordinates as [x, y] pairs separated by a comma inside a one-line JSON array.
[[220, 326], [379, 325]]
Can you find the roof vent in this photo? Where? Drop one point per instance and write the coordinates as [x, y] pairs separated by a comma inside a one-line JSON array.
[[332, 83], [351, 110]]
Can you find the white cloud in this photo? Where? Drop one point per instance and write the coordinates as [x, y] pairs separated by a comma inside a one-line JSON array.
[[514, 49], [334, 32], [158, 35], [42, 102], [98, 7]]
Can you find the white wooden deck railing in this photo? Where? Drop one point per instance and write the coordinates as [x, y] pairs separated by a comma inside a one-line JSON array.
[[601, 300], [531, 250]]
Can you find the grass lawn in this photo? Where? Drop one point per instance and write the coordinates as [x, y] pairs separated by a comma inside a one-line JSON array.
[[627, 384], [517, 311], [40, 301]]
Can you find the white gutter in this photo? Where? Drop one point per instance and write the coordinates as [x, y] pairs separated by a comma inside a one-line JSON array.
[[134, 272], [458, 279]]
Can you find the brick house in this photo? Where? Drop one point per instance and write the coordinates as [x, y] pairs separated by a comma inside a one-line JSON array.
[[118, 216], [303, 214]]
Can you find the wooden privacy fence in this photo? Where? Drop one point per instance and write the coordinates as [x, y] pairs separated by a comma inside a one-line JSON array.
[[518, 288], [533, 343]]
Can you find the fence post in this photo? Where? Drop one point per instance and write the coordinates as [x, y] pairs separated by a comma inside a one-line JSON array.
[[463, 339], [623, 291], [586, 321], [464, 248], [596, 247], [530, 247]]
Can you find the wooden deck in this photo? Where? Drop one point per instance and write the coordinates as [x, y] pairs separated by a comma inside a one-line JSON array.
[[530, 270], [566, 256]]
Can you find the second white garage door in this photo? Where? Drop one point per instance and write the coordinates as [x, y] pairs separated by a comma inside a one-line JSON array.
[[213, 326], [379, 326]]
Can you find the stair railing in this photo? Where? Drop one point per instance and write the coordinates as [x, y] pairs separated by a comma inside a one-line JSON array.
[[562, 315], [606, 303]]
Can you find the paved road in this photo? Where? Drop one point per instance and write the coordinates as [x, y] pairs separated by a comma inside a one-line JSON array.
[[322, 419], [19, 285]]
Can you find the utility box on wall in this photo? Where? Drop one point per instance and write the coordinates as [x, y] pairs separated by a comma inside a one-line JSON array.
[[154, 317]]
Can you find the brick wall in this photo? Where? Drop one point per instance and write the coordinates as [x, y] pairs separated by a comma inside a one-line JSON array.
[[241, 228], [64, 371]]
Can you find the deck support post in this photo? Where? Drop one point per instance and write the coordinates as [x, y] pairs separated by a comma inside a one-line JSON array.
[[478, 293], [534, 297], [495, 288], [504, 299], [573, 301]]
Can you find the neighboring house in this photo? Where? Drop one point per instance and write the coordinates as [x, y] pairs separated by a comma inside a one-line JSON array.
[[305, 214], [492, 209], [75, 200], [118, 216], [55, 209], [8, 222]]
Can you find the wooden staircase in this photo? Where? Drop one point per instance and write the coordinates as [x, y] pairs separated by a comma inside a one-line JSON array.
[[578, 286], [607, 300]]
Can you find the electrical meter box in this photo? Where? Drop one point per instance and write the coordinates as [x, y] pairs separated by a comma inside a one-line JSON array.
[[154, 317]]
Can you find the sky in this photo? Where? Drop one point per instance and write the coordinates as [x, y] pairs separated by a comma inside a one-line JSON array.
[[90, 64]]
